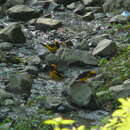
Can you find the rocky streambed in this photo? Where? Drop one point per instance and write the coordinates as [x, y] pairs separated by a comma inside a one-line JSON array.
[[26, 90]]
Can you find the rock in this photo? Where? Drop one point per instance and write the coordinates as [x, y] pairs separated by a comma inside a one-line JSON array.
[[22, 12], [121, 91], [5, 46], [71, 56], [53, 6], [8, 102], [71, 6], [91, 2], [88, 16], [12, 33], [47, 24], [64, 2], [119, 19], [97, 38], [20, 83], [87, 2], [84, 45], [105, 47], [51, 58], [99, 15], [11, 59], [33, 70], [79, 9], [82, 95], [116, 6], [4, 95], [94, 9], [52, 102], [32, 60], [11, 3]]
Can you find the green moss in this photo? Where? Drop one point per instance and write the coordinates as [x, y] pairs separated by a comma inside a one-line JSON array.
[[116, 70]]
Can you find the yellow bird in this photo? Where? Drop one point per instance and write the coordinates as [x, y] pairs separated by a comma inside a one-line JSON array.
[[52, 47], [55, 74], [86, 75]]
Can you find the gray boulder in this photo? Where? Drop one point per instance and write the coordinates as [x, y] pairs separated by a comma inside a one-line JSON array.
[[47, 24], [119, 19], [21, 12], [121, 91], [105, 47], [76, 56], [12, 33], [20, 83], [82, 95]]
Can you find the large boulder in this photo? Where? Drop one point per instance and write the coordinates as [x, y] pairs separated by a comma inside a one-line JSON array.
[[12, 33], [22, 12], [71, 56], [82, 95], [105, 47], [20, 83]]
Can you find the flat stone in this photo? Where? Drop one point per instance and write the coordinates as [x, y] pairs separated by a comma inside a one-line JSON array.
[[75, 55], [21, 12], [105, 47], [47, 24]]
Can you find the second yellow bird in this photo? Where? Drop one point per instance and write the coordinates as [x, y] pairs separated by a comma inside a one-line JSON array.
[[86, 75], [54, 73]]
